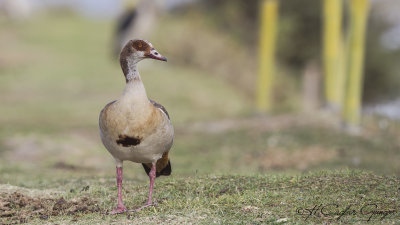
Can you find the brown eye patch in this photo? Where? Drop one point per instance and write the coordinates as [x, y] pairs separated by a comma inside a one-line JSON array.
[[141, 45]]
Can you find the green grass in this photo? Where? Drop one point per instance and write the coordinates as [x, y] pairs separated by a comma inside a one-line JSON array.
[[229, 167], [60, 74], [336, 197]]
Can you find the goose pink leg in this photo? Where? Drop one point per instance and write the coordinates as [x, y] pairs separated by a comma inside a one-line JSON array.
[[120, 207], [152, 176]]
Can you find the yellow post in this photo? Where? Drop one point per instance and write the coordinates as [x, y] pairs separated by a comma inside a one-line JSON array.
[[268, 31], [358, 18], [333, 54]]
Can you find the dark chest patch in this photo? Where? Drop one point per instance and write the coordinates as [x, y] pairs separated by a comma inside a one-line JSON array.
[[127, 141]]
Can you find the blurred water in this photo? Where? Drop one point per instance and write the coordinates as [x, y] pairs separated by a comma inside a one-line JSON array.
[[388, 10], [174, 3], [91, 8], [96, 8], [389, 109], [390, 39]]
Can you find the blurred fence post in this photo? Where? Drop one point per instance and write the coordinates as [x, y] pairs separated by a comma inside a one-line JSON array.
[[358, 22], [268, 33], [333, 52]]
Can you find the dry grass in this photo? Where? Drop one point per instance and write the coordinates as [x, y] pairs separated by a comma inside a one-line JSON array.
[[280, 159], [228, 199]]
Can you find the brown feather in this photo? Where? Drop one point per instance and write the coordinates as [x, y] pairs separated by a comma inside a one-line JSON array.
[[163, 166], [159, 106], [141, 45], [140, 127]]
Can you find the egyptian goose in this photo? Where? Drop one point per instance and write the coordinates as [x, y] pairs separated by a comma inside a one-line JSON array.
[[135, 128]]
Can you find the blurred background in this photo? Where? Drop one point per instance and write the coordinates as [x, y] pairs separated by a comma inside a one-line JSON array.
[[245, 84]]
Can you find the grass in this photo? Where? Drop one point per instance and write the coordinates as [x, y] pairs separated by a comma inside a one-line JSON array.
[[76, 67], [229, 167], [323, 197]]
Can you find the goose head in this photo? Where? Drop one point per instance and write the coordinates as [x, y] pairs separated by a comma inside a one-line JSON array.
[[137, 50]]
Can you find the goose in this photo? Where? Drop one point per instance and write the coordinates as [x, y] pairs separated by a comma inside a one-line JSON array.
[[135, 128]]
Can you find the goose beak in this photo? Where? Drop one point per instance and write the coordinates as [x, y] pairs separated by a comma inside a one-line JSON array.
[[158, 57], [155, 55]]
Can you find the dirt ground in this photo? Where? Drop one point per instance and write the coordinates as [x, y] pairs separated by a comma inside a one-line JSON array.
[[16, 208]]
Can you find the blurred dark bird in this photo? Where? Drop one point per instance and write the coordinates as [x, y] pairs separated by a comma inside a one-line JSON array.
[[136, 21], [135, 128]]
